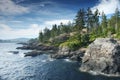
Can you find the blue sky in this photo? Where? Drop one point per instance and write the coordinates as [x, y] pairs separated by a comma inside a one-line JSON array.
[[25, 18]]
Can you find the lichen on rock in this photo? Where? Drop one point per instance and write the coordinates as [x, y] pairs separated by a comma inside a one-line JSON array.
[[103, 55]]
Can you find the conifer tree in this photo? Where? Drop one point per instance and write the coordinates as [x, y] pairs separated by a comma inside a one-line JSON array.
[[41, 36], [104, 24], [80, 20]]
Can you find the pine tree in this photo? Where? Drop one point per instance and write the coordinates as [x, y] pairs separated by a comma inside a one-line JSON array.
[[104, 24], [47, 34], [117, 16], [89, 20], [80, 20], [96, 21], [54, 31], [41, 36]]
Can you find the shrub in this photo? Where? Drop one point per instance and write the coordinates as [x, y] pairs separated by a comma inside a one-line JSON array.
[[73, 45]]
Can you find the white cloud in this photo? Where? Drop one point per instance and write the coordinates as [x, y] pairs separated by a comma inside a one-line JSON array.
[[8, 7], [108, 6], [4, 27], [8, 33]]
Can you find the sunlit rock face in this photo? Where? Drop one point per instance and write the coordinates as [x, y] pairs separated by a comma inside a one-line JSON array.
[[103, 55]]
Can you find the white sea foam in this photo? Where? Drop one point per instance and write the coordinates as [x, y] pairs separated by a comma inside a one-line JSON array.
[[67, 60], [100, 73]]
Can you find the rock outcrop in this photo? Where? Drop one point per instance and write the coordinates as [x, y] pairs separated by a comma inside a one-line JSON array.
[[33, 53], [65, 52], [36, 53], [37, 47], [102, 56]]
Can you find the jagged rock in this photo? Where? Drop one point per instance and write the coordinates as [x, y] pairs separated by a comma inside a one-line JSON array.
[[103, 55], [37, 47], [33, 53], [36, 53], [65, 52]]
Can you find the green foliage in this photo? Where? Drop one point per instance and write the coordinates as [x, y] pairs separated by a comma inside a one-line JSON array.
[[41, 37], [92, 37], [84, 19], [77, 41], [85, 39], [80, 20], [74, 42], [73, 45]]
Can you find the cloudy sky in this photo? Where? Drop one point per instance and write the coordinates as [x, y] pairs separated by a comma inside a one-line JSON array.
[[25, 18]]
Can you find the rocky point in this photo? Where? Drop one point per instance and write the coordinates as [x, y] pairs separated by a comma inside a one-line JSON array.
[[102, 56]]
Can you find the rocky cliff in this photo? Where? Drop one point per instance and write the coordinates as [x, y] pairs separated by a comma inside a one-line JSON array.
[[102, 56]]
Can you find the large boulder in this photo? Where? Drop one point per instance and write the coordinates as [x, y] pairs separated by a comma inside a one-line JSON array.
[[102, 56]]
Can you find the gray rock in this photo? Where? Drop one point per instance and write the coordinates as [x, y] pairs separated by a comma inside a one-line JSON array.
[[103, 55], [33, 53], [36, 53], [37, 47], [65, 52], [14, 52]]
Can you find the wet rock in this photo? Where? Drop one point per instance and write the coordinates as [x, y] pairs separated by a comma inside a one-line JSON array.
[[37, 47], [33, 53], [36, 53], [14, 52], [65, 52], [103, 55]]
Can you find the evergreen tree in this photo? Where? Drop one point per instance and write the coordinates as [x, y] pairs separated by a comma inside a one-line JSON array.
[[96, 21], [54, 31], [47, 34], [41, 36], [117, 15], [104, 24], [80, 20], [89, 19]]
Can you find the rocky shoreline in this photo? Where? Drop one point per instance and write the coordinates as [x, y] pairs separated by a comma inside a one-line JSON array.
[[37, 49], [55, 52], [102, 56]]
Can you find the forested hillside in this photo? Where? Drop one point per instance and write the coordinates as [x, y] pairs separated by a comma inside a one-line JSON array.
[[86, 27]]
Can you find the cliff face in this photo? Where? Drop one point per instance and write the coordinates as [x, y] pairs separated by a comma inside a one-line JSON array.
[[103, 55]]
